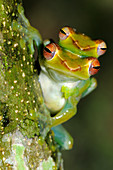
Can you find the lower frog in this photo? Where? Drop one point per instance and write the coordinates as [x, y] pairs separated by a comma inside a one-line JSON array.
[[66, 70]]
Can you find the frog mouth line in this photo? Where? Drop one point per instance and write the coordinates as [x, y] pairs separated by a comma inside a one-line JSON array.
[[76, 43], [95, 67], [64, 62]]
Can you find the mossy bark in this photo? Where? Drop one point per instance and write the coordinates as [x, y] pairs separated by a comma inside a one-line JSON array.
[[26, 141]]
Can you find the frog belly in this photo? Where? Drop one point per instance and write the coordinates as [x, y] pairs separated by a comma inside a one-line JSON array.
[[52, 93]]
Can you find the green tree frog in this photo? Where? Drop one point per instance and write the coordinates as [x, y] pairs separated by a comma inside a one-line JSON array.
[[66, 70]]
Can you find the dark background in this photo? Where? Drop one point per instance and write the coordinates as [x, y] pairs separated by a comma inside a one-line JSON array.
[[92, 127]]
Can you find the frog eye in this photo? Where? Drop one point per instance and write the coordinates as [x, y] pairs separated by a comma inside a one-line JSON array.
[[94, 67], [49, 51], [64, 33], [101, 48]]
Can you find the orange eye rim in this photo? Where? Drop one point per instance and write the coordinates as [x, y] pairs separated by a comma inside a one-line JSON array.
[[94, 67], [64, 33], [49, 51], [101, 47]]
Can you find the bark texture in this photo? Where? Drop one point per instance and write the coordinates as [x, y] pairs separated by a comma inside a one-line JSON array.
[[26, 141]]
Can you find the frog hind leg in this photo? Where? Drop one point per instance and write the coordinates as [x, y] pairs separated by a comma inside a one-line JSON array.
[[62, 137]]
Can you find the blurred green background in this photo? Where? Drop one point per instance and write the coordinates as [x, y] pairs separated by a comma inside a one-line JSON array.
[[92, 127]]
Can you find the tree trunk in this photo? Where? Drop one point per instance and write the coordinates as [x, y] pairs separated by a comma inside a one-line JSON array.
[[26, 141]]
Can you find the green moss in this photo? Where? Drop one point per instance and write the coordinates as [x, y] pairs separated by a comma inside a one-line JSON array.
[[19, 152], [49, 164], [17, 63], [24, 119]]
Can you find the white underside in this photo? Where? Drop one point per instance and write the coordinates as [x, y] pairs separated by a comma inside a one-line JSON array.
[[52, 93], [53, 96]]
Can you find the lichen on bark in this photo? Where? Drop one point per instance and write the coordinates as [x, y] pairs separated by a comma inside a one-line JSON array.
[[26, 141]]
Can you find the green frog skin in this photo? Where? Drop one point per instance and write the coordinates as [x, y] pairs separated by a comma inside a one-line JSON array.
[[66, 72]]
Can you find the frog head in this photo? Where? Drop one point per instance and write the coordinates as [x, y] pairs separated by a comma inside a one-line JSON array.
[[76, 55]]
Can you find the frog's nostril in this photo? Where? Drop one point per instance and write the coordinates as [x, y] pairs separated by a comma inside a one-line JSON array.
[[94, 67]]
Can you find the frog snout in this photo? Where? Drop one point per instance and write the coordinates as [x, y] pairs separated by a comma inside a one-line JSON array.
[[94, 66]]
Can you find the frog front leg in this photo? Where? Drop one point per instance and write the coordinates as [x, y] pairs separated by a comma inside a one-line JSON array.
[[92, 86], [68, 111], [73, 96]]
